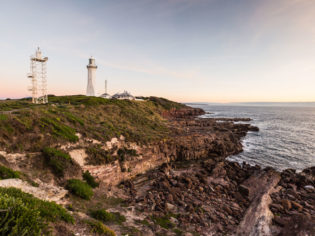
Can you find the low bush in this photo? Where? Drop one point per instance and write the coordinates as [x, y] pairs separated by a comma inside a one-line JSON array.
[[163, 221], [99, 228], [122, 152], [80, 188], [58, 160], [165, 103], [106, 216], [17, 218], [90, 179], [98, 156], [7, 173], [23, 214]]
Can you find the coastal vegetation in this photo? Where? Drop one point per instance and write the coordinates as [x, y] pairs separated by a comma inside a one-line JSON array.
[[8, 173], [90, 180], [99, 228], [28, 127], [98, 156], [80, 188], [23, 214], [58, 160], [107, 217]]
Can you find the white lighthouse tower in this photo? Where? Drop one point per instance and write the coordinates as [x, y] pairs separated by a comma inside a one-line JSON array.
[[91, 77]]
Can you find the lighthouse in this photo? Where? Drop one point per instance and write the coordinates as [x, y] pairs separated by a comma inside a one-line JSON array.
[[91, 77]]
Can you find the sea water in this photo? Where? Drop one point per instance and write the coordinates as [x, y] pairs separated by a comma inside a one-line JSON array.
[[286, 138]]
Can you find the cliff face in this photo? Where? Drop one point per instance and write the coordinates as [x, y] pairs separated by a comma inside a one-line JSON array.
[[190, 140]]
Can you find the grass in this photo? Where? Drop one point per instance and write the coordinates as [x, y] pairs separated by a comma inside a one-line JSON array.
[[9, 105], [80, 188], [90, 180], [58, 129], [31, 127], [105, 216], [23, 214], [7, 173]]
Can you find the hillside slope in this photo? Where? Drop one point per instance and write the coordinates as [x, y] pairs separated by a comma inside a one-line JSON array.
[[28, 127]]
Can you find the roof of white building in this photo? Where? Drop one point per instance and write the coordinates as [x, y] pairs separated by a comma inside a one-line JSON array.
[[124, 95]]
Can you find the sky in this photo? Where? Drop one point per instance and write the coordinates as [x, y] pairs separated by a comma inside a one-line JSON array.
[[184, 50]]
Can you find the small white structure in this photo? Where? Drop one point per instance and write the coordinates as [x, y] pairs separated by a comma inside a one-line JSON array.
[[124, 95], [91, 77], [105, 95], [38, 76]]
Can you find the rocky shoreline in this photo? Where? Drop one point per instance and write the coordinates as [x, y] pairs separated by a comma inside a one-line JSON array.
[[198, 194]]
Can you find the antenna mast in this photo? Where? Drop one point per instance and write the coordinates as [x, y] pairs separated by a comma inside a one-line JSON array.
[[37, 75]]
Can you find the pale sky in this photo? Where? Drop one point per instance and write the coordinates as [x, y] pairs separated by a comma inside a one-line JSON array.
[[184, 50]]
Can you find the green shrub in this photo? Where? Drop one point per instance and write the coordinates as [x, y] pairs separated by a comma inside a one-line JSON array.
[[23, 214], [106, 216], [100, 228], [49, 210], [122, 152], [90, 179], [98, 156], [3, 117], [80, 188], [18, 218], [58, 160], [7, 173]]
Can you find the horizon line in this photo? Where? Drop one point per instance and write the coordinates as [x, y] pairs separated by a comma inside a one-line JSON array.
[[190, 102]]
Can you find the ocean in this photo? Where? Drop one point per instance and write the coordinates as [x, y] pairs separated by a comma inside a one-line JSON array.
[[286, 138]]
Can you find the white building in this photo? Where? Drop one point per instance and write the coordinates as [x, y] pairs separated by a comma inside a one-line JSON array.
[[124, 95]]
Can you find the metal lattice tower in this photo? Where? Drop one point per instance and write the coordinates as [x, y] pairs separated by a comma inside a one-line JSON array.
[[38, 76], [91, 77]]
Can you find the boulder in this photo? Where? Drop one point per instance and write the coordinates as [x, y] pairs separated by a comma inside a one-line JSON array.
[[286, 204], [297, 206]]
